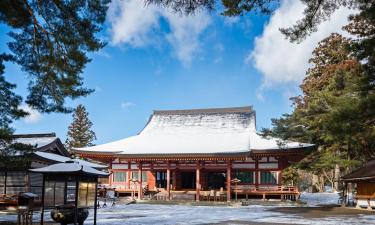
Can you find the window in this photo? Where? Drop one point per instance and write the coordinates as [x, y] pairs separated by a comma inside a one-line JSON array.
[[267, 177], [144, 176], [245, 176], [119, 177], [135, 176]]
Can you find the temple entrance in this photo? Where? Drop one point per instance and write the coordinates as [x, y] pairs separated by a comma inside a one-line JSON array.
[[187, 180], [216, 180], [161, 179]]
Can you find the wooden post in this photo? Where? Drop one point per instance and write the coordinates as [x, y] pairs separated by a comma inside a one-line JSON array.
[[96, 201], [5, 183], [169, 181], [256, 173], [27, 182], [174, 180], [43, 193], [129, 171], [229, 166], [110, 178], [140, 181], [197, 181], [76, 202], [65, 190]]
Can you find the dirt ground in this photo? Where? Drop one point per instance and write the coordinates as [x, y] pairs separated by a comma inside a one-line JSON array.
[[323, 211], [308, 213]]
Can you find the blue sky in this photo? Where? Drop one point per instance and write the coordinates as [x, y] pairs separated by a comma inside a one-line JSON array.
[[158, 60]]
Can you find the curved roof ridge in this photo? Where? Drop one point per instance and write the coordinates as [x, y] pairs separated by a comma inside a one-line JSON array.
[[244, 109]]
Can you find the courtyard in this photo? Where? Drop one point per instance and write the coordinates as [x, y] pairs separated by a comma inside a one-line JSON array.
[[269, 213]]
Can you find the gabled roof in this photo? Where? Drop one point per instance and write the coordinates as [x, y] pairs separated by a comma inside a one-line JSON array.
[[47, 142], [70, 167], [366, 172], [58, 158], [195, 131]]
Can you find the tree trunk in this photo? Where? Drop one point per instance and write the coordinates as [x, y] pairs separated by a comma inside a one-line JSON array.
[[337, 177]]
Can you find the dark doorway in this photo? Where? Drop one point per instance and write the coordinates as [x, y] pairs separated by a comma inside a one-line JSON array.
[[216, 180], [161, 179], [188, 180]]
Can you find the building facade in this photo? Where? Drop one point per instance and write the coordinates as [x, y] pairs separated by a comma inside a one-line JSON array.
[[198, 150]]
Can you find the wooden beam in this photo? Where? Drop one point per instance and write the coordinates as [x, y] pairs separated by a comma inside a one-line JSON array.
[[96, 200], [140, 181], [128, 174], [43, 196], [256, 173], [229, 170], [76, 201], [197, 181], [169, 181]]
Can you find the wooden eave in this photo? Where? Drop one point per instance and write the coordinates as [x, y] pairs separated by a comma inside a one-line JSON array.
[[268, 152], [184, 157]]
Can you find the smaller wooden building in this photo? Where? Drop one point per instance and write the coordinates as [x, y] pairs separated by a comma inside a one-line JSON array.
[[48, 150], [364, 178]]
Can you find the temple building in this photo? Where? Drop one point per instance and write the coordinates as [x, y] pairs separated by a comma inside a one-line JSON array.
[[197, 151]]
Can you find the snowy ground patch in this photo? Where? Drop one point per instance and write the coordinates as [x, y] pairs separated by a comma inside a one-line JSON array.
[[184, 214], [325, 198]]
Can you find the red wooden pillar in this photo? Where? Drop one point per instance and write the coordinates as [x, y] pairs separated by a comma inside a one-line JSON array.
[[174, 180], [197, 181], [229, 168], [129, 171], [169, 181], [110, 178], [140, 181], [257, 173]]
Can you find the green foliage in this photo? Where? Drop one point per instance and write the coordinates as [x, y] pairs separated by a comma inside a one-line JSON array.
[[79, 132], [9, 101], [290, 175], [11, 154], [50, 42], [333, 112]]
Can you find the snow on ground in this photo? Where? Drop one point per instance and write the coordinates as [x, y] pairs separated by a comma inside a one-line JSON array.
[[183, 214], [325, 198]]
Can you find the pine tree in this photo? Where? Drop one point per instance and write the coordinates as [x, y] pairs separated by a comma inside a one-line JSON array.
[[79, 132], [332, 112]]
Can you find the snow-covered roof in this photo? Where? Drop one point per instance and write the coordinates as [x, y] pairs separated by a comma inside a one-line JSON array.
[[59, 158], [196, 131], [70, 167], [46, 142], [36, 141]]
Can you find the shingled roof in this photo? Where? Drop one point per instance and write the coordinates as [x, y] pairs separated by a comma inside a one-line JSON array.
[[366, 172], [195, 131], [44, 142]]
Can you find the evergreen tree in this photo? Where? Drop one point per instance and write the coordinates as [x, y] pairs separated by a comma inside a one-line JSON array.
[[332, 112], [9, 111], [50, 41], [79, 132]]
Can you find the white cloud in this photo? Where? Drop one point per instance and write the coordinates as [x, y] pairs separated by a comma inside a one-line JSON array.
[[185, 33], [126, 105], [276, 58], [137, 25], [131, 22], [33, 117]]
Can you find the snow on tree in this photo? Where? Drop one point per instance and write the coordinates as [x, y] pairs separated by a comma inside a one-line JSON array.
[[79, 132]]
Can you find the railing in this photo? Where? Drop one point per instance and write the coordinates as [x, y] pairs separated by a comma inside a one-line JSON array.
[[264, 188]]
